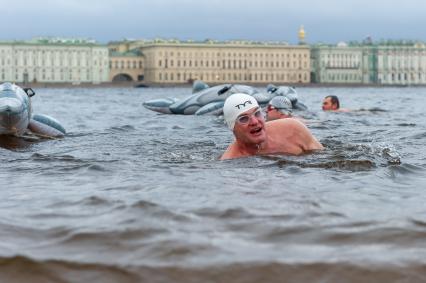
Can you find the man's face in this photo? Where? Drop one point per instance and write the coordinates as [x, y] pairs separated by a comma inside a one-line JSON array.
[[274, 113], [250, 127], [327, 105]]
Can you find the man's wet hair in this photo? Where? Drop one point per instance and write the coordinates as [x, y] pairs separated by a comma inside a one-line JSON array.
[[334, 100]]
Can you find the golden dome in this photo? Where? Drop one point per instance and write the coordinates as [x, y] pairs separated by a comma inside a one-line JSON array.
[[301, 34]]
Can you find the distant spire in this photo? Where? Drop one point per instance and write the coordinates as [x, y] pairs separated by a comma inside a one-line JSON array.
[[302, 35]]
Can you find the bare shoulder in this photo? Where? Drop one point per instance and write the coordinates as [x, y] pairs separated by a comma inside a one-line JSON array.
[[286, 125], [230, 152], [344, 110], [227, 154], [295, 131]]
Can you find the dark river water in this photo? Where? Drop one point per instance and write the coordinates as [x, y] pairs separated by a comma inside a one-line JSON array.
[[130, 195]]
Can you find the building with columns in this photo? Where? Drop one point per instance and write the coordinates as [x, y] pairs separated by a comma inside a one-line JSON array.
[[235, 62], [175, 62], [400, 65], [385, 63], [339, 64], [54, 60]]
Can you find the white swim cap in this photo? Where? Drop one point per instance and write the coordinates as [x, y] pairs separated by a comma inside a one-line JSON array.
[[235, 105]]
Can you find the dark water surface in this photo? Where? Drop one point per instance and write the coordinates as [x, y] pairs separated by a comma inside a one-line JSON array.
[[130, 195]]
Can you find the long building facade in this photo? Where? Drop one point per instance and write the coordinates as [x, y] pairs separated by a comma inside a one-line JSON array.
[[230, 63], [54, 61], [173, 62]]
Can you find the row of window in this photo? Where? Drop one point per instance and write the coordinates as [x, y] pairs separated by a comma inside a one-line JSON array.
[[343, 56], [383, 78], [384, 64], [402, 77], [234, 55], [52, 62], [178, 77], [232, 64], [51, 57], [126, 64], [49, 77], [59, 63], [409, 64], [53, 52], [345, 64], [52, 70], [402, 54], [411, 57], [341, 78]]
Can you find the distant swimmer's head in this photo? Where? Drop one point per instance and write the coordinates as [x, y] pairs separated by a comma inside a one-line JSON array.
[[235, 105], [281, 103], [330, 103], [279, 107]]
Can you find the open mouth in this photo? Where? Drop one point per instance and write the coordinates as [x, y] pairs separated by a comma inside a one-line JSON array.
[[256, 130]]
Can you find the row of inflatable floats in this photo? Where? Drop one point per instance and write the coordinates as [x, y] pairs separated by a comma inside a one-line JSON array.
[[210, 100], [18, 119]]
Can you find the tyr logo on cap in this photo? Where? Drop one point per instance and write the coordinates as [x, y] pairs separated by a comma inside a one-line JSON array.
[[235, 105], [243, 104]]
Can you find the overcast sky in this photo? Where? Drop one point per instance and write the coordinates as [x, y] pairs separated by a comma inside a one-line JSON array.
[[327, 21]]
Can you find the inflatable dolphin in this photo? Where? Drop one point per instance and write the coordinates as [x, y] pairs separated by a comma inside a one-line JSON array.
[[16, 117], [205, 99], [289, 92]]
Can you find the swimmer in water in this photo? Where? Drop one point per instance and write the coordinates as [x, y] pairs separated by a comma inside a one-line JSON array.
[[279, 107], [254, 136], [331, 103]]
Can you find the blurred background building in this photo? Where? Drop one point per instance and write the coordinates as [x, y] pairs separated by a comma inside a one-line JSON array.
[[54, 60], [173, 62]]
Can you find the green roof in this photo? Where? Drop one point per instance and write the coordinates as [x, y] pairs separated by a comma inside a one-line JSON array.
[[131, 53]]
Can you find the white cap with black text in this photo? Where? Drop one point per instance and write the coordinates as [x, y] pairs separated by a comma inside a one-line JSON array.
[[235, 105]]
